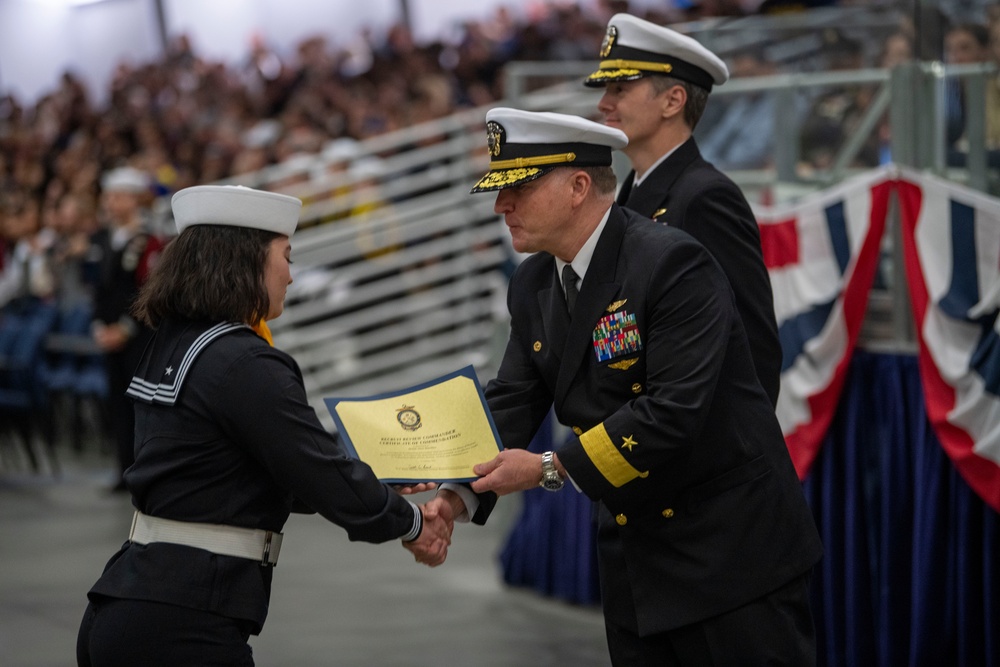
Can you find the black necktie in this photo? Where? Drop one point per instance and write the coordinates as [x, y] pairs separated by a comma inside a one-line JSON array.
[[569, 284]]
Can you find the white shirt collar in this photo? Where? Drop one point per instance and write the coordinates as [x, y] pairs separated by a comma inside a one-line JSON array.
[[639, 178], [582, 260]]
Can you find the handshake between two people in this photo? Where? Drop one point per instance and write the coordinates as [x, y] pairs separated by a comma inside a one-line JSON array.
[[431, 546], [510, 471]]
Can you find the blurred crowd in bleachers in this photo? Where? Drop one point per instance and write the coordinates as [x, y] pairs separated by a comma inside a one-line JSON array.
[[185, 120]]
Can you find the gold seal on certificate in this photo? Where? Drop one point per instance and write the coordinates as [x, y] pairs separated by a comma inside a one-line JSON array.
[[434, 432]]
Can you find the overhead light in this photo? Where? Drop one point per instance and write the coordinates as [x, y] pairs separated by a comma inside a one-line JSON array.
[[68, 3]]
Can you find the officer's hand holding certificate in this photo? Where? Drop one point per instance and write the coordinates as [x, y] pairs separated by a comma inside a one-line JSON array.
[[434, 432]]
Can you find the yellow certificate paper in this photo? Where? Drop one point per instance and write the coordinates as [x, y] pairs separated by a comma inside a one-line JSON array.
[[434, 432]]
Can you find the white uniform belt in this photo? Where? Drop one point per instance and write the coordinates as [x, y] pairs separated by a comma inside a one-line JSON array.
[[259, 545]]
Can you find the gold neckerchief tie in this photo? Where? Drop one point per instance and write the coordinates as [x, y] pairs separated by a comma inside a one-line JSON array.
[[264, 332]]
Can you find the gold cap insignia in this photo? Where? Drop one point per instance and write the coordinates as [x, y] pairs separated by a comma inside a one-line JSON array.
[[494, 138], [609, 40]]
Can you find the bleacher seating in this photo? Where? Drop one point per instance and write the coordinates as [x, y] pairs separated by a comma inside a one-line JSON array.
[[24, 326], [74, 374]]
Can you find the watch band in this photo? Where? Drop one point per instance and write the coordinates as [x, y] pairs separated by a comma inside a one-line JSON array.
[[551, 481]]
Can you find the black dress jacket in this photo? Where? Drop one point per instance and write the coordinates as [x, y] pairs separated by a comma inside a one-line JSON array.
[[224, 435], [687, 192], [700, 507]]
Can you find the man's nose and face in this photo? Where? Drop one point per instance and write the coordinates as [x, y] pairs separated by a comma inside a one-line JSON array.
[[536, 211]]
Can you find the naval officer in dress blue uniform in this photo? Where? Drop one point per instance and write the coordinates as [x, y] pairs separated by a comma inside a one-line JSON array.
[[656, 85], [630, 329]]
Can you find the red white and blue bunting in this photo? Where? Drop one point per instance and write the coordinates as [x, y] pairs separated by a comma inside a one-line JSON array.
[[951, 248], [822, 254]]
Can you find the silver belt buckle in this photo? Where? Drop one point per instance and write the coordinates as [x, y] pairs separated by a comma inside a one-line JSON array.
[[265, 561]]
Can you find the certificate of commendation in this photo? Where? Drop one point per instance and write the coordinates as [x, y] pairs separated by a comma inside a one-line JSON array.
[[434, 432]]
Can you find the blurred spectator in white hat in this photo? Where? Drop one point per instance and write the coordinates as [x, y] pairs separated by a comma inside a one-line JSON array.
[[122, 252]]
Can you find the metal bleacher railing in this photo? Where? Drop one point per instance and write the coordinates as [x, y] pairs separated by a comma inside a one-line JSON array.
[[398, 270], [401, 274]]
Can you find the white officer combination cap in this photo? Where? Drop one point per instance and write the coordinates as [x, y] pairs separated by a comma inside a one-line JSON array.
[[235, 206], [525, 145], [125, 179], [634, 48]]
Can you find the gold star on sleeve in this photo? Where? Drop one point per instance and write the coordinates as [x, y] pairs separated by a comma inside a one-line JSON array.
[[628, 442], [610, 462]]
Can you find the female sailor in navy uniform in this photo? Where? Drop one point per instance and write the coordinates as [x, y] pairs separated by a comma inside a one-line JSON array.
[[226, 447]]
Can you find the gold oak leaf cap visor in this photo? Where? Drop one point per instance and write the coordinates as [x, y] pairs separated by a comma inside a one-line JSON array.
[[525, 145], [634, 48], [235, 206]]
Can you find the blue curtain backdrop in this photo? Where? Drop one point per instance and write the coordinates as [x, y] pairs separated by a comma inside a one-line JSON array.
[[911, 575], [553, 546]]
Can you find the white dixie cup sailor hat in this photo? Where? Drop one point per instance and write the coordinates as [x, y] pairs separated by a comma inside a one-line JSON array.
[[236, 206]]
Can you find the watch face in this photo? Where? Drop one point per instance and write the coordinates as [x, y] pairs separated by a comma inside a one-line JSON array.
[[552, 484], [550, 477]]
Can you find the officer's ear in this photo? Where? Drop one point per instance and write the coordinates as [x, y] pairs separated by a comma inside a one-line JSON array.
[[580, 184], [672, 101]]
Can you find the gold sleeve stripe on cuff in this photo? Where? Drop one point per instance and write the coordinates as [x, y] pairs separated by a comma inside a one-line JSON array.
[[606, 457]]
